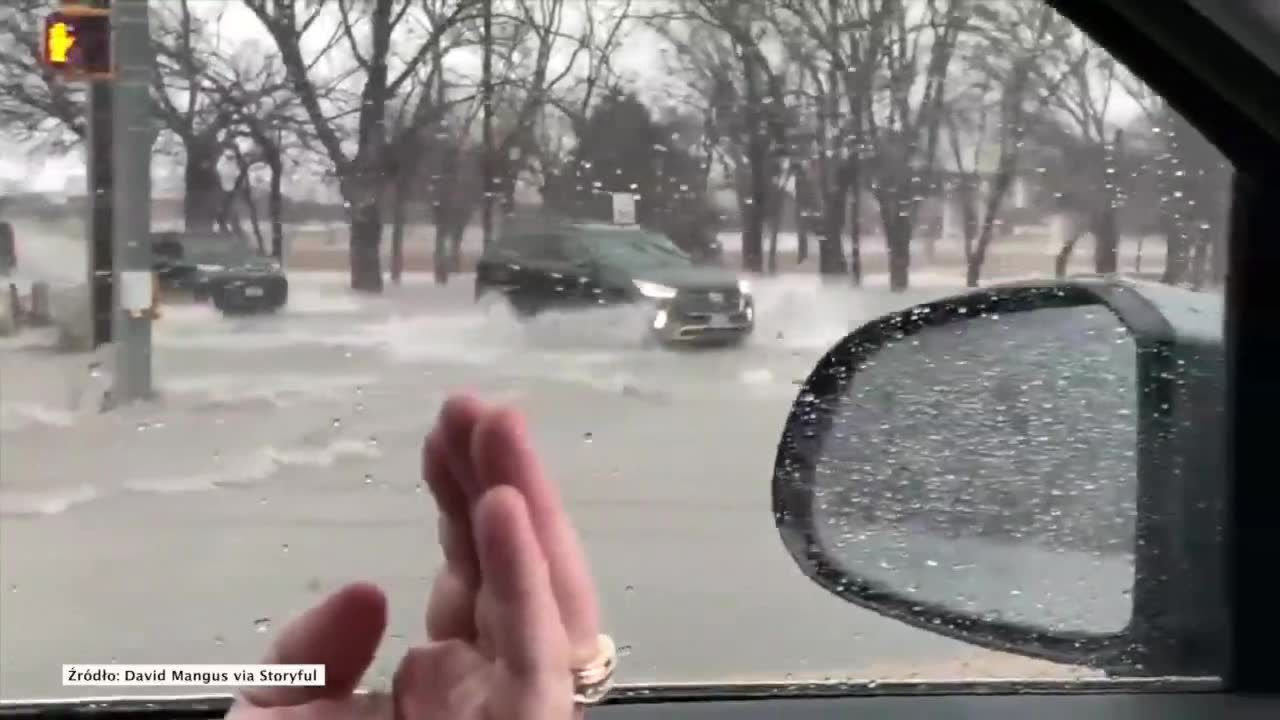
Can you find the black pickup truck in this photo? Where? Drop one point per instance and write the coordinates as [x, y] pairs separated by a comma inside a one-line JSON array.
[[218, 267]]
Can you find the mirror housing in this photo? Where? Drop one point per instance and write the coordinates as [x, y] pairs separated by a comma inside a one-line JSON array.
[[1178, 608]]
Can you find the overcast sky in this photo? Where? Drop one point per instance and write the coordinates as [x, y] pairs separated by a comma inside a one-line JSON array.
[[239, 32]]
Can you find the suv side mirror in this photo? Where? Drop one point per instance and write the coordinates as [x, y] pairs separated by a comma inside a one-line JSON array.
[[1031, 468]]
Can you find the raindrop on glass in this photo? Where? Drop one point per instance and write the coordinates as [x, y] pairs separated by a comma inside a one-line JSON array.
[[218, 640], [261, 625], [624, 650], [337, 422], [587, 437], [284, 547], [373, 441], [368, 478]]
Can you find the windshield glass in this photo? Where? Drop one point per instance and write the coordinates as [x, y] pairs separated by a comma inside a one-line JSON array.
[[216, 250], [634, 249], [174, 489]]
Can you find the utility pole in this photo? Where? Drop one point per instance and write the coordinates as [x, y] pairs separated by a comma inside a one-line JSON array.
[[98, 174], [487, 100], [131, 140]]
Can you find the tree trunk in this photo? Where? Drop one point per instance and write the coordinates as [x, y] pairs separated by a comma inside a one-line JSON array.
[[202, 186], [366, 237], [855, 228], [1106, 236], [398, 207], [275, 208], [801, 204], [1106, 228], [896, 219], [898, 237], [457, 230], [1064, 255], [773, 245], [831, 260], [440, 260]]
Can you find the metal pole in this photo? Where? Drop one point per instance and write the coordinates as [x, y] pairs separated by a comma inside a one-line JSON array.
[[131, 225], [487, 100], [98, 174]]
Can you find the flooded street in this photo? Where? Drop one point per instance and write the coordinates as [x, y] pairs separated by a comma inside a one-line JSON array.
[[281, 459]]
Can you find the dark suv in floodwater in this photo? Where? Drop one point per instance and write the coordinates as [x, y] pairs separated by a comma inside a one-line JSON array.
[[220, 267], [564, 265]]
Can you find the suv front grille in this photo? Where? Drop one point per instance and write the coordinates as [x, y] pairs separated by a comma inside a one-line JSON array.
[[705, 301]]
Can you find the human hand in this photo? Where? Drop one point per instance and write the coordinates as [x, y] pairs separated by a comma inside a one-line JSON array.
[[512, 610]]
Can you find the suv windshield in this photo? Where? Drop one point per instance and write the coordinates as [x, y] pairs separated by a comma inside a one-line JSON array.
[[634, 249], [216, 249], [173, 488]]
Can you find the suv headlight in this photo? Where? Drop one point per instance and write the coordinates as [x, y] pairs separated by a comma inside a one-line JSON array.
[[654, 290]]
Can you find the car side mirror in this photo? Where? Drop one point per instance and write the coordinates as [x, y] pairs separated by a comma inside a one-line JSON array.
[[1033, 468]]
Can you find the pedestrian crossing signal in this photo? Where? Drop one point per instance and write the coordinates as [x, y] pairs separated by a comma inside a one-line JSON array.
[[77, 43]]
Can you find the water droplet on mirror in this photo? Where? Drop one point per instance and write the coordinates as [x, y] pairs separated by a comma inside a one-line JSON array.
[[624, 650], [337, 422], [13, 588], [373, 441], [284, 547], [217, 640], [368, 478], [587, 437], [262, 625], [629, 588]]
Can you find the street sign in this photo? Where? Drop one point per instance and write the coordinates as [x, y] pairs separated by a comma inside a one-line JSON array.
[[77, 43], [624, 209]]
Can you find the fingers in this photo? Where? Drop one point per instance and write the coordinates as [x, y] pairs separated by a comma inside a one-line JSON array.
[[447, 471], [444, 679], [529, 638], [451, 609], [342, 633], [503, 455]]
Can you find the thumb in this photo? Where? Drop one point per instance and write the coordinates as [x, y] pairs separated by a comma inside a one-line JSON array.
[[342, 633]]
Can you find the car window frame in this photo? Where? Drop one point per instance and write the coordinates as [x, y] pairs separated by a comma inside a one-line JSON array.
[[1209, 78], [1218, 94]]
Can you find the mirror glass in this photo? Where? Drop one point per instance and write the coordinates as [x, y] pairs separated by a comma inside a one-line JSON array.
[[989, 466]]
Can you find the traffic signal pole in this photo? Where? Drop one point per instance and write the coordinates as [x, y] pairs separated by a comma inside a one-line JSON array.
[[110, 48], [131, 140]]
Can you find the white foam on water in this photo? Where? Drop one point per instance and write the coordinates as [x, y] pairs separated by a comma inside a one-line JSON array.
[[756, 376], [54, 502], [255, 467], [310, 300], [19, 416], [277, 390]]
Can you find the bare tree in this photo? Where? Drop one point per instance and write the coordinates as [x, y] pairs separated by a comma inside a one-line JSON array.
[[905, 116], [35, 105], [746, 97], [202, 85], [369, 30], [1013, 67], [1092, 150], [841, 47]]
